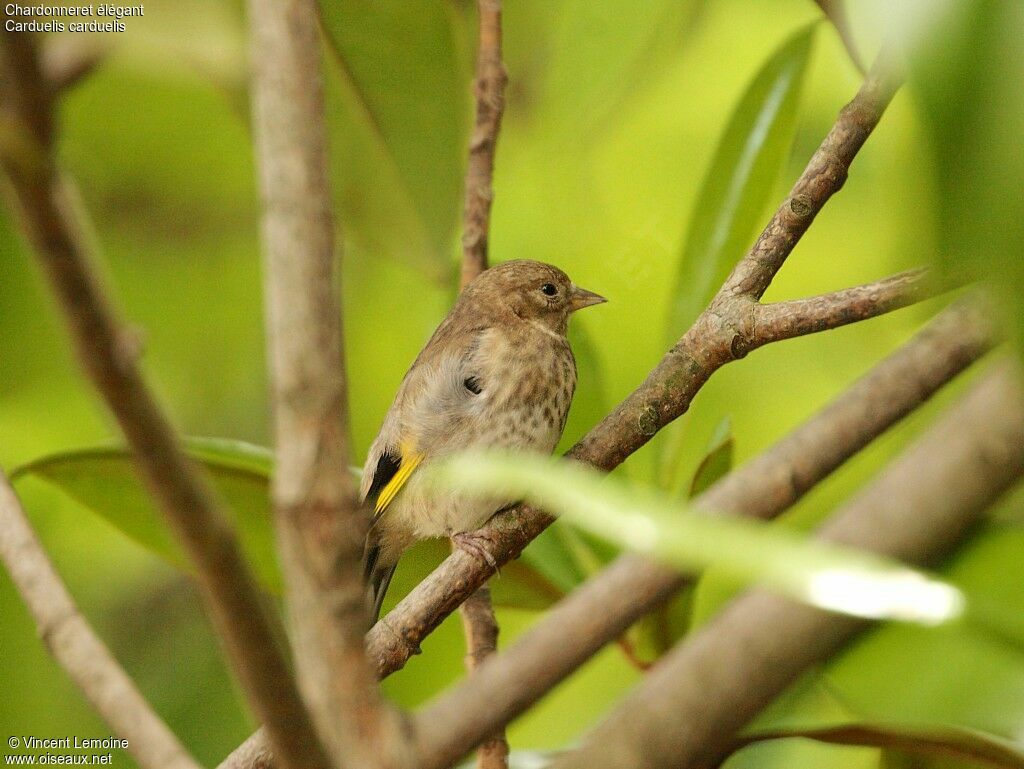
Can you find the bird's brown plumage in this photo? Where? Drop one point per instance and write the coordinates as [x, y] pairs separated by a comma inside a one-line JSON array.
[[497, 373]]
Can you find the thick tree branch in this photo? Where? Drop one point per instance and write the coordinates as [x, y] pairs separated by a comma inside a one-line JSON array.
[[77, 648], [713, 341], [490, 104], [108, 352], [320, 523], [601, 609], [691, 706]]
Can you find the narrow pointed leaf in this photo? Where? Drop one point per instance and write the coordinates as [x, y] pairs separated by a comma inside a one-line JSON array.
[[717, 461], [835, 12], [403, 79], [104, 481], [940, 741], [746, 165]]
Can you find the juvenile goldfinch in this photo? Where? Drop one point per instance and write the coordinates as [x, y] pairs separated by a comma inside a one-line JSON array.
[[497, 373]]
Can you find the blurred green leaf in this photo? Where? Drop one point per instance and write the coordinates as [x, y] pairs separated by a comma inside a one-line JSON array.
[[582, 84], [751, 154], [966, 72], [104, 481], [948, 675], [819, 573], [400, 69], [969, 745], [717, 462], [835, 12], [524, 759], [591, 404]]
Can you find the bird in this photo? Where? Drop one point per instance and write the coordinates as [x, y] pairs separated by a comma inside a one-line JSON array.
[[498, 373]]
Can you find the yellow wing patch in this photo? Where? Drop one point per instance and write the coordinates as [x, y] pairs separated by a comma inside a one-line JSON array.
[[410, 461]]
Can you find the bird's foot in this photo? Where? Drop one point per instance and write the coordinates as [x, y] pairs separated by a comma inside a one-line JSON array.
[[478, 544]]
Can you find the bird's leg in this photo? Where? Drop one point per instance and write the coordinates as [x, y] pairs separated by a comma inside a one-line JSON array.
[[477, 544]]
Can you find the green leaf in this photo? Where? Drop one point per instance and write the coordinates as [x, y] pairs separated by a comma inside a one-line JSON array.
[[403, 82], [717, 461], [955, 674], [944, 741], [818, 573], [835, 12], [104, 481], [582, 85], [730, 205], [524, 759], [965, 73]]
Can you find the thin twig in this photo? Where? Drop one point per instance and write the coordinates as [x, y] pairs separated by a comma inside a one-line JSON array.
[[319, 520], [666, 394], [799, 317], [77, 648], [108, 352], [601, 609], [481, 629], [917, 510], [490, 104], [480, 626]]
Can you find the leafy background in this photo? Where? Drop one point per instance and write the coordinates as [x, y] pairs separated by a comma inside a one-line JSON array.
[[623, 123]]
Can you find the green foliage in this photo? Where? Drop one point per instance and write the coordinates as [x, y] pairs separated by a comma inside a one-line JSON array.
[[717, 462], [965, 68], [731, 202], [402, 78], [104, 481]]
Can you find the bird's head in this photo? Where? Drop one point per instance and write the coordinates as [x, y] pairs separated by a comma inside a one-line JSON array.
[[533, 291]]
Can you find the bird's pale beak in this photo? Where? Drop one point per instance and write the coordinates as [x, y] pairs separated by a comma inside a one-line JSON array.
[[580, 298]]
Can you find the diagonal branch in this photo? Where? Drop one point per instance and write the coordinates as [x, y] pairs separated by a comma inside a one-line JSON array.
[[916, 510], [108, 353], [601, 609], [319, 521], [78, 649]]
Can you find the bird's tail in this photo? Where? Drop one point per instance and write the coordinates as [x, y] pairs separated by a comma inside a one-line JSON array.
[[378, 577]]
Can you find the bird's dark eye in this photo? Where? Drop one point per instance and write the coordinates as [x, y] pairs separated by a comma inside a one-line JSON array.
[[548, 289]]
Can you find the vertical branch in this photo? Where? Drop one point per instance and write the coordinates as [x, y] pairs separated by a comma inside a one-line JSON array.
[[109, 353], [76, 646], [478, 621], [481, 629], [320, 524], [490, 105]]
